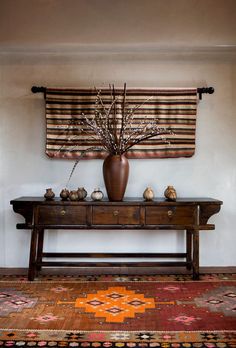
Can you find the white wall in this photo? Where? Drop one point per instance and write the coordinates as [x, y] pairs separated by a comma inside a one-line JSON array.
[[25, 169]]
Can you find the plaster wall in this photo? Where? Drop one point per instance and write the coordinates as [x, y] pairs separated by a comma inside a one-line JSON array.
[[66, 23], [152, 43], [25, 169]]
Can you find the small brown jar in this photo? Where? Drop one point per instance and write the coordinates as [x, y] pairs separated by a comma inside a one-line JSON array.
[[64, 194], [170, 193], [73, 195], [49, 195], [82, 193]]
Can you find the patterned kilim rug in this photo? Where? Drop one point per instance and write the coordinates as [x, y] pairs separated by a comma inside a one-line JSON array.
[[118, 311]]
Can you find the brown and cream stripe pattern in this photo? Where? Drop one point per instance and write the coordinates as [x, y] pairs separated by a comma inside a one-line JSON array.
[[174, 107]]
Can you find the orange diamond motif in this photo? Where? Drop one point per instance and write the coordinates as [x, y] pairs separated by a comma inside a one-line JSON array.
[[115, 304]]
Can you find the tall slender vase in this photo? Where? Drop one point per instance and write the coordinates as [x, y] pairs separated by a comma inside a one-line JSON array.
[[116, 173]]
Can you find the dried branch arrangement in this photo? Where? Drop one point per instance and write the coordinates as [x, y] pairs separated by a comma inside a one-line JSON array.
[[113, 125]]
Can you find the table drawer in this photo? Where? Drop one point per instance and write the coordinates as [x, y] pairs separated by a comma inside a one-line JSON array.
[[61, 215], [116, 215], [182, 215]]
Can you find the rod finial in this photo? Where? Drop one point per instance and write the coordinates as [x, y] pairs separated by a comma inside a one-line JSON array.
[[36, 89], [211, 90], [207, 90]]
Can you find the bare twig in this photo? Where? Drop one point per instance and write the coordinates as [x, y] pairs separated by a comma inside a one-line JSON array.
[[117, 134]]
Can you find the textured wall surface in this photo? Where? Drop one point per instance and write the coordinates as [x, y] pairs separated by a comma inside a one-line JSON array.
[[73, 22], [149, 44]]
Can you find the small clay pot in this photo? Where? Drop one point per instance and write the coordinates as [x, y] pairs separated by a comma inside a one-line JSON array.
[[82, 193], [49, 195], [170, 193], [73, 195], [97, 195], [148, 194], [64, 194]]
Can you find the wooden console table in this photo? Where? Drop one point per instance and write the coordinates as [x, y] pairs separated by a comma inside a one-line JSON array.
[[187, 214]]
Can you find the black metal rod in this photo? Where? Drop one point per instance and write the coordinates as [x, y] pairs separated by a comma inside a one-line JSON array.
[[200, 91]]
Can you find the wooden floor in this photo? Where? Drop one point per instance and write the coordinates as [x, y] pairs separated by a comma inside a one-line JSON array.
[[117, 270]]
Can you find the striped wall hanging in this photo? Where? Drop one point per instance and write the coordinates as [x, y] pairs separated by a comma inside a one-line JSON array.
[[173, 107]]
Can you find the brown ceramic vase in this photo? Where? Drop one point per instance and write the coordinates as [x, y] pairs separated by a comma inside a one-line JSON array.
[[115, 173]]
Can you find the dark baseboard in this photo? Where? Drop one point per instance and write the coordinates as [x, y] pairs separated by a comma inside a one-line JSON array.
[[117, 270]]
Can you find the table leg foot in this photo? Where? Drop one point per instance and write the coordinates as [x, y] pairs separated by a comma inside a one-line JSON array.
[[31, 274], [195, 276]]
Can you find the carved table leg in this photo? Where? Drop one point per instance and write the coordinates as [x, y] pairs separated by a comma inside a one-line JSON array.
[[32, 259], [189, 249], [196, 254], [40, 248]]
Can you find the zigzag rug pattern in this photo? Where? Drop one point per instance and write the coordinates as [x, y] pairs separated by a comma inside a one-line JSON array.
[[118, 311]]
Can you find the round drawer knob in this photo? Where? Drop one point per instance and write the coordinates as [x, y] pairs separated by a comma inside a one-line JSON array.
[[170, 213], [63, 212], [116, 212]]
